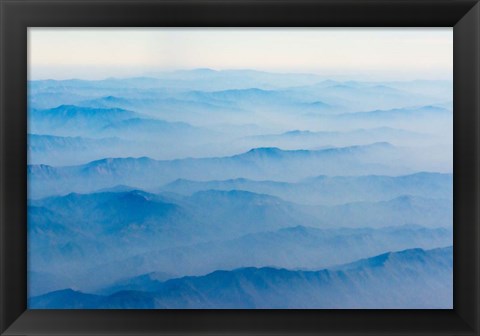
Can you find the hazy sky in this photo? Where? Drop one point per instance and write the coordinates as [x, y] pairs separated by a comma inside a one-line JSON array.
[[356, 53]]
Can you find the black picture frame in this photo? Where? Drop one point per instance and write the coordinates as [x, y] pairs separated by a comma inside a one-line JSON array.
[[17, 15]]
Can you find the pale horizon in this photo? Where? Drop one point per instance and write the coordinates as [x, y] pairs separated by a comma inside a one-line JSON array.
[[369, 54]]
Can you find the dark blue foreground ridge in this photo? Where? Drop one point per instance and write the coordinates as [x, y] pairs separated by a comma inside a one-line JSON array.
[[419, 277]]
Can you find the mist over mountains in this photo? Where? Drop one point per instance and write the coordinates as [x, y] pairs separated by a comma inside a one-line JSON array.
[[422, 279], [330, 190], [257, 164], [189, 234], [239, 189]]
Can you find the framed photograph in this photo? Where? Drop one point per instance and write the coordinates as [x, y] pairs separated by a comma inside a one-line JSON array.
[[229, 167]]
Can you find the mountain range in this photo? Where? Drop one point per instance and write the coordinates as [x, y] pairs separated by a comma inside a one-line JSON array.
[[257, 163], [330, 190], [195, 234], [239, 189], [422, 279]]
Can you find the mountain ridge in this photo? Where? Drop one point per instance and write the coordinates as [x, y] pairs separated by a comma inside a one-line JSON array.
[[280, 288]]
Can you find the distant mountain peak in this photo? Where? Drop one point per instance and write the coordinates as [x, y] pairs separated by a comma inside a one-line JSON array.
[[299, 229], [110, 99], [88, 109], [237, 196], [112, 163], [275, 152], [432, 108], [263, 152], [383, 259], [206, 70], [298, 132]]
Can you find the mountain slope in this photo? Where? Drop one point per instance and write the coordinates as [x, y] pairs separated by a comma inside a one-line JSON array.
[[424, 119], [76, 233], [330, 190], [315, 139], [408, 279], [258, 163], [297, 247], [71, 120], [401, 210]]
